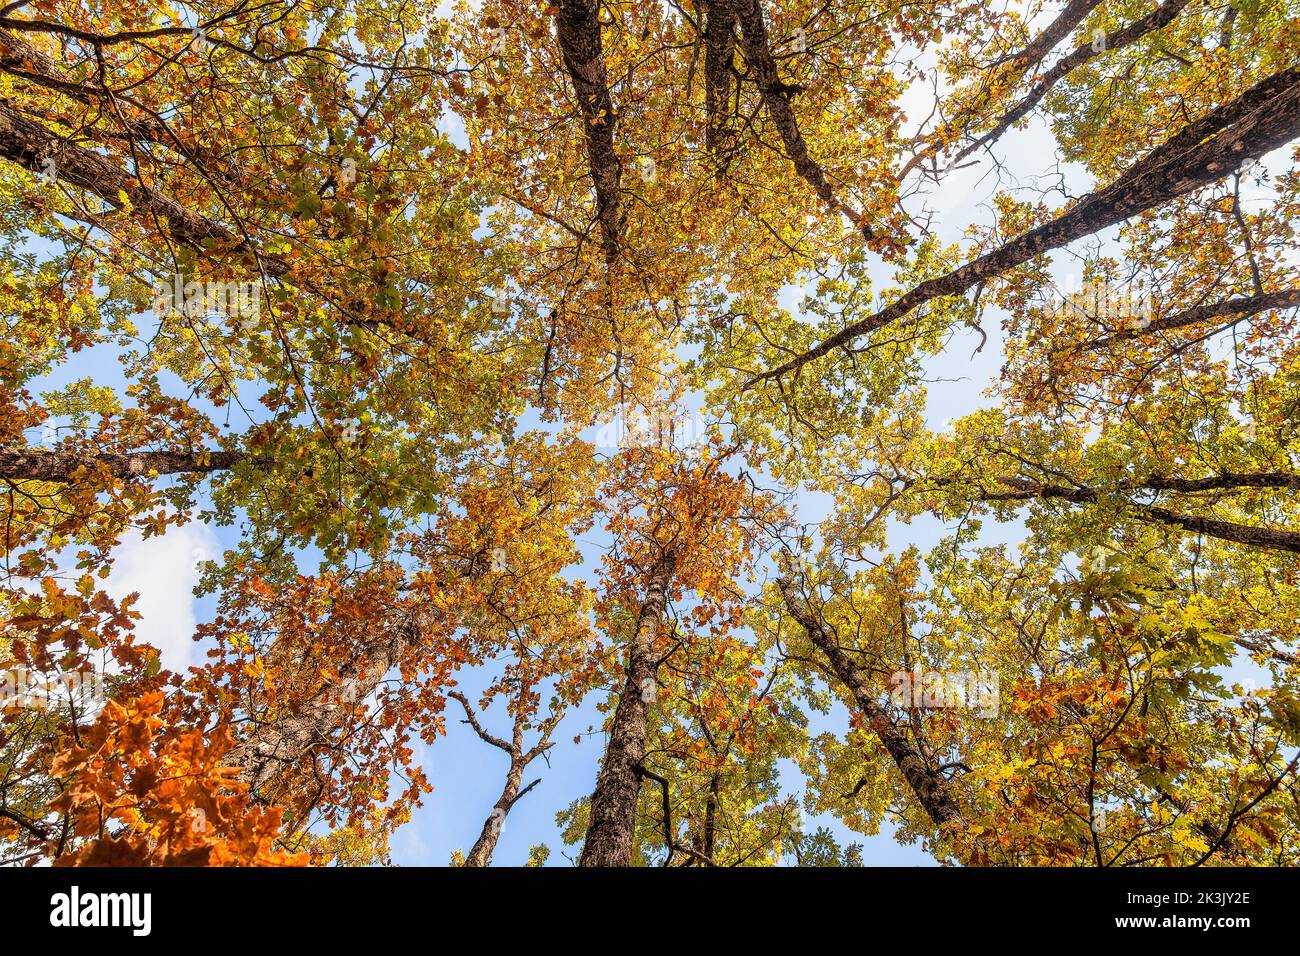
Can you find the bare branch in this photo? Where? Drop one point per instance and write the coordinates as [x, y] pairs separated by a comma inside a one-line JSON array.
[[478, 728]]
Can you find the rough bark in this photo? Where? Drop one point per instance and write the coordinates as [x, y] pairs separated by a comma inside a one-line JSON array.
[[1260, 120], [711, 816], [1070, 17], [1241, 308], [1224, 482], [1228, 481], [719, 64], [28, 464], [748, 14], [1157, 19], [30, 145], [1271, 539], [610, 830], [928, 785], [577, 27], [280, 742], [481, 853]]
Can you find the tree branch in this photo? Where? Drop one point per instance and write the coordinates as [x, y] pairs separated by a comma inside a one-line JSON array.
[[929, 786], [1027, 58], [1241, 307], [1260, 120], [31, 145], [1157, 19], [36, 465], [776, 99], [1266, 538], [478, 728]]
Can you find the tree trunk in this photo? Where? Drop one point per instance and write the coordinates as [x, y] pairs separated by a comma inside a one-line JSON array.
[[577, 26], [481, 853], [929, 786], [711, 816], [719, 64], [278, 744], [613, 804]]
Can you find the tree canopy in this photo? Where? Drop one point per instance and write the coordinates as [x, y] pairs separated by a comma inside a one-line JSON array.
[[596, 346]]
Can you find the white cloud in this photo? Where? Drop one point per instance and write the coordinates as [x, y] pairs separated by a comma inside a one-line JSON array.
[[164, 571]]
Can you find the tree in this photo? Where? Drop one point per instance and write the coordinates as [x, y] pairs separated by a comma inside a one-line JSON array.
[[679, 523], [363, 286]]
